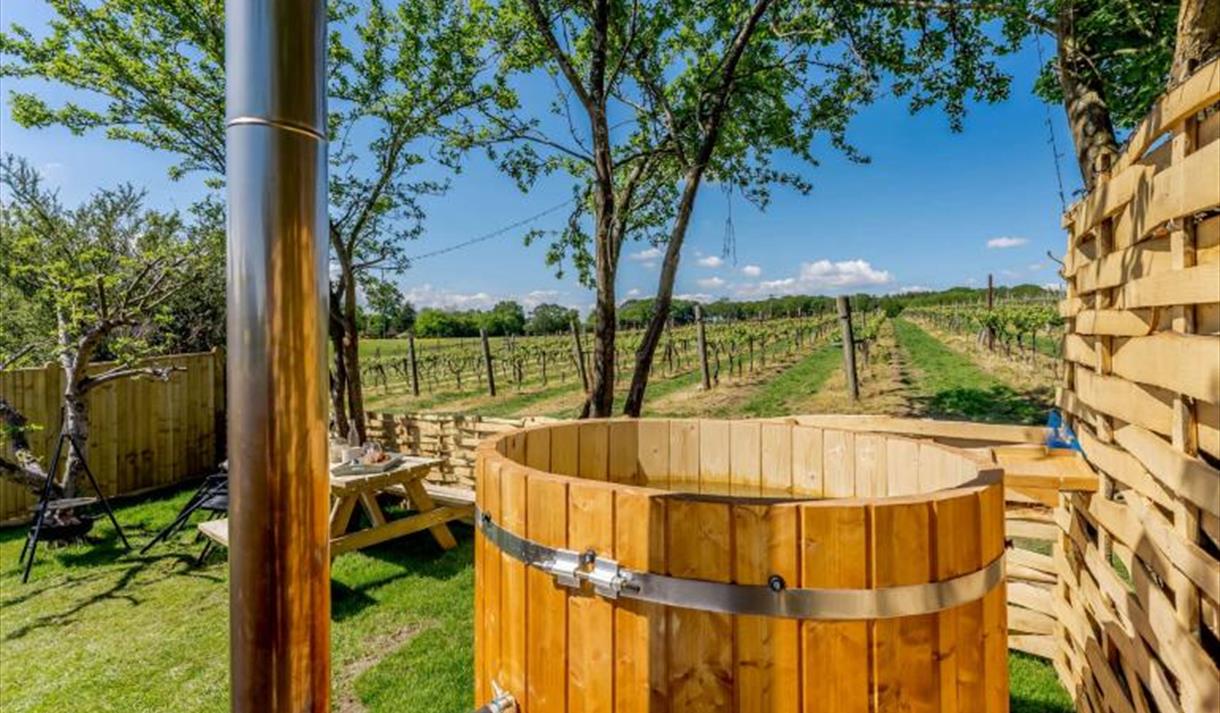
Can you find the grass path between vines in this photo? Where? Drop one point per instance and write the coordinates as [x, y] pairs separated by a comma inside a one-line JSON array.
[[949, 384]]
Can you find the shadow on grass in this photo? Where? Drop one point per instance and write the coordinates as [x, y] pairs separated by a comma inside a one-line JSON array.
[[994, 404], [415, 556]]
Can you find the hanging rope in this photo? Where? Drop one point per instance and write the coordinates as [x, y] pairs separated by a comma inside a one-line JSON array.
[[730, 233]]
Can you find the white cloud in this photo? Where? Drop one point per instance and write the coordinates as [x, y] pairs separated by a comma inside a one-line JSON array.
[[821, 276], [848, 273], [907, 289], [1006, 242], [710, 283], [1036, 266], [428, 296], [536, 297], [777, 284], [647, 257], [695, 297], [710, 261], [751, 270], [633, 292]]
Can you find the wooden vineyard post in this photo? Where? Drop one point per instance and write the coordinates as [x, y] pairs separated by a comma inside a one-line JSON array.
[[702, 335], [990, 306], [491, 374], [849, 346], [578, 351], [414, 365]]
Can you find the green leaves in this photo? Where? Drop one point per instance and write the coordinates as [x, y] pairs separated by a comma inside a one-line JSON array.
[[98, 275]]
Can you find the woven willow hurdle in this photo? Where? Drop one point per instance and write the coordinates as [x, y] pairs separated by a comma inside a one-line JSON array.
[[1138, 601]]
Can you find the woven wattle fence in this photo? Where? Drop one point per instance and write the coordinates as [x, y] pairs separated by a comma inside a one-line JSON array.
[[1138, 598]]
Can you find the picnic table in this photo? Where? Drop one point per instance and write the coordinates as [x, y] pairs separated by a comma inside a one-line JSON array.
[[404, 479]]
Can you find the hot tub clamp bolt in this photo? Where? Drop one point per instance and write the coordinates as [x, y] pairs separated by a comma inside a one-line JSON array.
[[607, 577], [776, 583]]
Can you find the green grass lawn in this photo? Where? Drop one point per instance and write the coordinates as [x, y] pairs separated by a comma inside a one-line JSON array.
[[950, 385], [100, 630]]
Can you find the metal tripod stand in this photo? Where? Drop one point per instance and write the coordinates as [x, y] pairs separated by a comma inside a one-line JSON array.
[[45, 501]]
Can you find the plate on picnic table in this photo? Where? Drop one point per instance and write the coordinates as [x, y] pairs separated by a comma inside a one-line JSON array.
[[358, 468]]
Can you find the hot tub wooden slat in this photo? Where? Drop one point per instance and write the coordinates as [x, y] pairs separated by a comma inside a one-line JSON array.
[[838, 453], [808, 469], [538, 449], [640, 671], [901, 467], [594, 451], [870, 465], [700, 665], [835, 654], [745, 458], [565, 448], [963, 554], [653, 449], [683, 451], [995, 603], [512, 578], [714, 450], [904, 666], [767, 661], [623, 457], [489, 490], [776, 445], [547, 629], [590, 617]]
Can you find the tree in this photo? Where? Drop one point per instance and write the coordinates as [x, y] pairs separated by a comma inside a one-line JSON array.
[[657, 96], [106, 272], [386, 302], [549, 318], [506, 318], [403, 81]]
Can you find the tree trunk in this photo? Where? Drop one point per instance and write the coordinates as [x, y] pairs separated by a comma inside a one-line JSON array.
[[601, 391], [76, 426], [338, 375], [664, 300], [1084, 100], [351, 355], [26, 471], [1198, 37]]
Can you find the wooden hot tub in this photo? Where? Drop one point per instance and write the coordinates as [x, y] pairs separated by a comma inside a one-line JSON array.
[[697, 565]]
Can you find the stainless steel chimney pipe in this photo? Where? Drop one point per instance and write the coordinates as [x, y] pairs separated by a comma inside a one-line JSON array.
[[279, 564]]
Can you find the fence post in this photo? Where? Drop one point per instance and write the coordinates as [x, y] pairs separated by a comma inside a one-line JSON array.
[[491, 374], [579, 352], [990, 304], [707, 377], [414, 365], [849, 346]]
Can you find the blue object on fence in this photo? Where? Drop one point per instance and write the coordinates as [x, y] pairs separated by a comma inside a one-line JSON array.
[[1059, 434]]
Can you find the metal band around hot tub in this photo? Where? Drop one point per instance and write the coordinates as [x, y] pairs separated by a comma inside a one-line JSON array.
[[611, 580]]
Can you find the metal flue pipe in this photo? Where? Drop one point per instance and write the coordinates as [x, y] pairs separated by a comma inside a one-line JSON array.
[[279, 592]]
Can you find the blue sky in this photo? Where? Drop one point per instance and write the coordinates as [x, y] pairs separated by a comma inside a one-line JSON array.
[[933, 209]]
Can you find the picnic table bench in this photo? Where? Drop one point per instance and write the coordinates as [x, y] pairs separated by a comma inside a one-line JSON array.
[[349, 490]]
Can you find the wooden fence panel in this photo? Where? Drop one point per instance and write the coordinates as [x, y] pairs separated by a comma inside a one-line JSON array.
[[1137, 599], [143, 435]]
